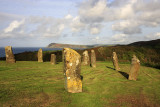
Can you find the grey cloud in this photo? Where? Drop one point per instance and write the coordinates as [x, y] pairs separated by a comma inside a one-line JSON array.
[[145, 12], [127, 27], [153, 36], [95, 28]]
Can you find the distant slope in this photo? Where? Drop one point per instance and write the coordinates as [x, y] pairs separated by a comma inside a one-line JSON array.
[[148, 52], [150, 44], [57, 45]]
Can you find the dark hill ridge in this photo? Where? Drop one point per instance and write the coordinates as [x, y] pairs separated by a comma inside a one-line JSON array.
[[147, 51], [152, 43]]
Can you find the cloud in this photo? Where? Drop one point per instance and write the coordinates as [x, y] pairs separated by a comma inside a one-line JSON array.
[[96, 40], [153, 36], [127, 27], [128, 18], [100, 10], [15, 24], [94, 30], [119, 38], [57, 31], [130, 15], [68, 16], [33, 26], [77, 25], [4, 17], [92, 10]]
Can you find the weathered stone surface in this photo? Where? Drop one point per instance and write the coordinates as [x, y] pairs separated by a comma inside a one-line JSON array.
[[40, 55], [9, 55], [135, 65], [72, 70], [53, 59], [115, 61], [93, 59], [85, 60]]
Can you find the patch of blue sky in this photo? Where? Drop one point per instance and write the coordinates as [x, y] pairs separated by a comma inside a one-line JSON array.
[[55, 8]]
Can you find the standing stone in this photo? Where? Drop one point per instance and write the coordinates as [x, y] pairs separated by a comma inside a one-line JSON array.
[[115, 61], [72, 70], [85, 60], [9, 55], [93, 59], [40, 55], [135, 65], [53, 59]]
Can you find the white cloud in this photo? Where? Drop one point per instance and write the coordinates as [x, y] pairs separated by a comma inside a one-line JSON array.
[[119, 38], [77, 25], [130, 15], [61, 27], [92, 10], [68, 16], [94, 31], [15, 24], [127, 10], [97, 38], [127, 27], [36, 26], [153, 36]]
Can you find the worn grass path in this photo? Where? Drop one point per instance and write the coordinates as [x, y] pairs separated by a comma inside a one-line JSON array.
[[33, 84]]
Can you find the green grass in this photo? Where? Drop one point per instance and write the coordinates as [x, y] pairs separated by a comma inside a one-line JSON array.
[[33, 84]]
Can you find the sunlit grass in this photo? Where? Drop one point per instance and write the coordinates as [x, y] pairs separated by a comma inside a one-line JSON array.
[[29, 83]]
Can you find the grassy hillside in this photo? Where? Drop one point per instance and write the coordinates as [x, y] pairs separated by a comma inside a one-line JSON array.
[[33, 84], [153, 44], [148, 56]]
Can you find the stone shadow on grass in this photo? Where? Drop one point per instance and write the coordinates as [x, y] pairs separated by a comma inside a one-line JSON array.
[[110, 67], [124, 74], [81, 77]]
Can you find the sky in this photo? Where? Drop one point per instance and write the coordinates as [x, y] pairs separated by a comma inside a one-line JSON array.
[[37, 23]]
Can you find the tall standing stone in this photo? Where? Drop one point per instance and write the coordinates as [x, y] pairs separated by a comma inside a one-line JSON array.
[[93, 59], [40, 55], [53, 59], [135, 65], [115, 61], [9, 55], [85, 60], [72, 70]]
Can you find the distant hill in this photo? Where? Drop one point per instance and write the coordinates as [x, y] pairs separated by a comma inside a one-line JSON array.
[[148, 52], [150, 44], [58, 45]]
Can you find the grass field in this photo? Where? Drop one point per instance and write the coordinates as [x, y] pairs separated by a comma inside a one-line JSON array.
[[33, 84]]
